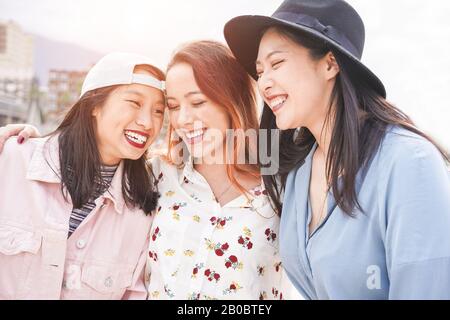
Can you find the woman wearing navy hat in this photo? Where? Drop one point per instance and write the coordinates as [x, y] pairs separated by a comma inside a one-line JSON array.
[[366, 207]]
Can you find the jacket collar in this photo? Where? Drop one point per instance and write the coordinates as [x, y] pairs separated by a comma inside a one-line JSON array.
[[44, 164], [45, 167], [114, 193], [254, 200]]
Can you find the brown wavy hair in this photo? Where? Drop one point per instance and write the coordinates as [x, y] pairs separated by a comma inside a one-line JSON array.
[[225, 82]]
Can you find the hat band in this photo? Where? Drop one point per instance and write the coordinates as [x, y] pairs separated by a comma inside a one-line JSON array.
[[148, 81], [328, 31]]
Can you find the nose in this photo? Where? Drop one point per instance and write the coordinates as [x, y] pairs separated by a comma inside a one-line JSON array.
[[144, 119], [184, 116], [265, 84]]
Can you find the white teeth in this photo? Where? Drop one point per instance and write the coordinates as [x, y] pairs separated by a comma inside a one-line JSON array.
[[277, 101], [135, 137], [194, 134]]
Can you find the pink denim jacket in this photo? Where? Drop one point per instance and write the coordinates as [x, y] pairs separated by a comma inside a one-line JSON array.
[[103, 259]]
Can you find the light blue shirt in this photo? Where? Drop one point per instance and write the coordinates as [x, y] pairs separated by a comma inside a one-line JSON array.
[[399, 248]]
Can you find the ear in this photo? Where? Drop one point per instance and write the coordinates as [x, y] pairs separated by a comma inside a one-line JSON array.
[[95, 111], [332, 67]]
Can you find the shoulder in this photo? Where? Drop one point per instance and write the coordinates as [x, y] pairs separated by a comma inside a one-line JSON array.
[[154, 164], [160, 164], [165, 172], [409, 166], [14, 153], [401, 147]]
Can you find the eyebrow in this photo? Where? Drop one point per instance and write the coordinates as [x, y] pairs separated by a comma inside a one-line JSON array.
[[270, 55], [142, 96], [187, 94], [134, 92]]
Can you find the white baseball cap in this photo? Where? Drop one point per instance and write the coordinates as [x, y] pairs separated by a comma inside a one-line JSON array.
[[117, 68]]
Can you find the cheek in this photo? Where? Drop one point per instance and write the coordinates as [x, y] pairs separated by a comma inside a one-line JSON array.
[[218, 117], [104, 125], [307, 91], [157, 125], [223, 125], [173, 119], [225, 122], [116, 119]]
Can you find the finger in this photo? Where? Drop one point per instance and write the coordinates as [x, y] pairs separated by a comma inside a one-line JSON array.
[[28, 132], [24, 135], [12, 130], [6, 132], [2, 142]]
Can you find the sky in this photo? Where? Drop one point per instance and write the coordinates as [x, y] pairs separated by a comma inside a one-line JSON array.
[[407, 41]]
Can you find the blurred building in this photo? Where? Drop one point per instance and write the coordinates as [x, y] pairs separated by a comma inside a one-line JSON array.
[[64, 89], [18, 88], [16, 52]]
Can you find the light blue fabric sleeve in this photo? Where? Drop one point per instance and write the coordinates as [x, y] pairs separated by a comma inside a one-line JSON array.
[[417, 221]]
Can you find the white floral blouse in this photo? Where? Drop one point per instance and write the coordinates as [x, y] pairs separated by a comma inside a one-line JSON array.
[[200, 250]]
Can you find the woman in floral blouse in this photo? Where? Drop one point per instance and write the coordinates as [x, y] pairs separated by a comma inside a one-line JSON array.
[[215, 234]]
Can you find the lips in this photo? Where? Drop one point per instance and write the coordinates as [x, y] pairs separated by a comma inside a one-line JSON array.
[[137, 139], [276, 102], [195, 136]]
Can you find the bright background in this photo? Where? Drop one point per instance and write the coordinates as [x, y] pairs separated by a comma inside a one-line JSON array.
[[407, 41]]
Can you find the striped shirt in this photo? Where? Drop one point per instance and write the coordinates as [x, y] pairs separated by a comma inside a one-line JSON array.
[[78, 215]]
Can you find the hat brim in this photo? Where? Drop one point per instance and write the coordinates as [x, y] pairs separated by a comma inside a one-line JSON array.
[[243, 35]]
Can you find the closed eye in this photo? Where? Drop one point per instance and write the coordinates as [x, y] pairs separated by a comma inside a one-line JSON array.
[[159, 111], [277, 63], [198, 103], [258, 74], [135, 103], [172, 107]]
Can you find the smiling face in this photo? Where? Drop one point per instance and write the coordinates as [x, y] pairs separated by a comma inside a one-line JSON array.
[[199, 122], [128, 122], [294, 85]]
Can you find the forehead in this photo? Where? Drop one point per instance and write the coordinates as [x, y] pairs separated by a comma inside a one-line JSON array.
[[140, 91], [273, 40], [180, 79]]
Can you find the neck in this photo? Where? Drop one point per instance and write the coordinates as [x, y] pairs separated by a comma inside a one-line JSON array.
[[215, 164], [214, 170], [108, 166], [322, 131], [108, 160]]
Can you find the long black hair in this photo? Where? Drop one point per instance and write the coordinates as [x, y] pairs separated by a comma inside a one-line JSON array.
[[360, 119]]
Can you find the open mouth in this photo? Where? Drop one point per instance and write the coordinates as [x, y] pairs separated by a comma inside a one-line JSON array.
[[195, 136], [277, 103], [137, 139]]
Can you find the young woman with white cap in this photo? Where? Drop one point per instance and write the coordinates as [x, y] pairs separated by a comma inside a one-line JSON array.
[[75, 205], [366, 207]]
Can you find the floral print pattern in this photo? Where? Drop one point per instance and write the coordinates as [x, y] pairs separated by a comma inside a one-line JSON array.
[[201, 250]]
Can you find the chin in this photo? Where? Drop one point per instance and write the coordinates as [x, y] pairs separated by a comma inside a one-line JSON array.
[[204, 154], [200, 155], [133, 156], [282, 125]]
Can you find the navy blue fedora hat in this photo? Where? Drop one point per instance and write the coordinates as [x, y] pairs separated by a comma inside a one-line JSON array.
[[333, 21]]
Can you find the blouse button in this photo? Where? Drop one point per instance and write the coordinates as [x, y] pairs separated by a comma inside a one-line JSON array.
[[109, 282]]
